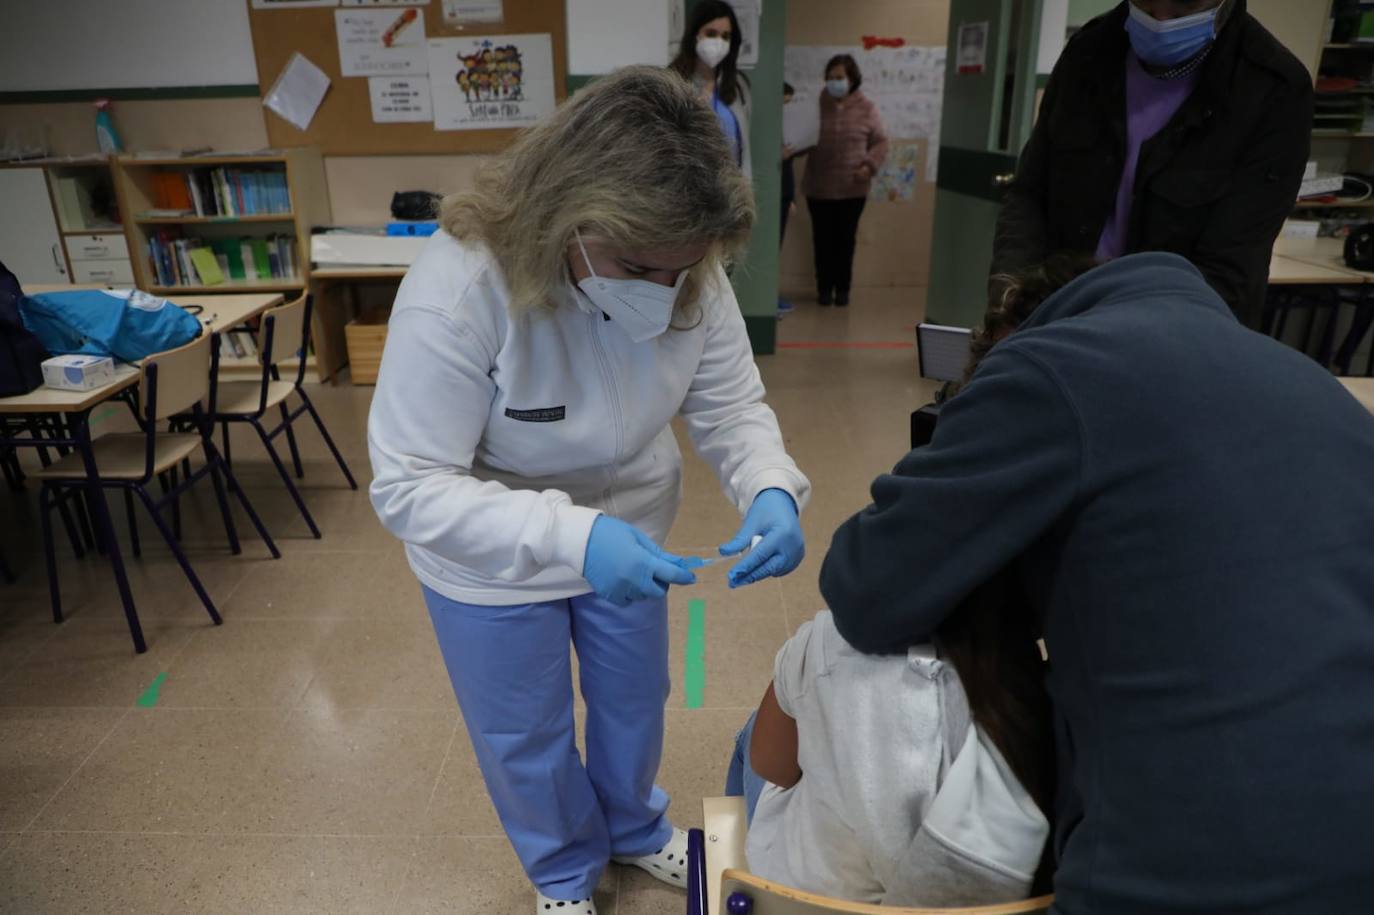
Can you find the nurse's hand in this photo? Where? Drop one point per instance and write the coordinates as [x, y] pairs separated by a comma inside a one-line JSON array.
[[773, 516], [624, 566]]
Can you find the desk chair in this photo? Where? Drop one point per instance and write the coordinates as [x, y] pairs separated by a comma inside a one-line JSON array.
[[1359, 327], [1284, 301], [718, 882], [285, 334], [172, 382], [40, 428]]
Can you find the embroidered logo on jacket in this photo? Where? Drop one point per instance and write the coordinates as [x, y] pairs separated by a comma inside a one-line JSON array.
[[544, 415]]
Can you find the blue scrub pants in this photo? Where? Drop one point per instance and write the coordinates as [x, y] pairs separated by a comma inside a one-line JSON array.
[[740, 779], [512, 674]]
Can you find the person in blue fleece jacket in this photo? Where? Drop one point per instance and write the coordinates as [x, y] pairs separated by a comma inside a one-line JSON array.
[[1190, 507]]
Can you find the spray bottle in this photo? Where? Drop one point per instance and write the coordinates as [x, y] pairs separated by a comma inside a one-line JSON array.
[[105, 133]]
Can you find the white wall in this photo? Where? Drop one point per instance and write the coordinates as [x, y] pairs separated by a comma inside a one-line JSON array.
[[128, 44], [605, 34]]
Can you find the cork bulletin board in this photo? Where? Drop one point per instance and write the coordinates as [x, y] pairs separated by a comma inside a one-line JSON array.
[[343, 125]]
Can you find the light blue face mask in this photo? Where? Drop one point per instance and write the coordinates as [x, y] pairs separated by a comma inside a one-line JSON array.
[[1170, 42], [838, 88]]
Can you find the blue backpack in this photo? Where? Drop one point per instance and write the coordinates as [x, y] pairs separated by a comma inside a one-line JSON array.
[[21, 353], [123, 323]]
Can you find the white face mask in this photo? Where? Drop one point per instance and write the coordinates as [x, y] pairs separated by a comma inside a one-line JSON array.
[[641, 308], [838, 88], [711, 51]]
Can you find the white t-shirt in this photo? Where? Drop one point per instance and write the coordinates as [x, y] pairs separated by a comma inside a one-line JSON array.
[[878, 738]]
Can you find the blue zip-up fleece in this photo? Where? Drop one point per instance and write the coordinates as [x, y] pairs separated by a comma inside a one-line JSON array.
[[1191, 508]]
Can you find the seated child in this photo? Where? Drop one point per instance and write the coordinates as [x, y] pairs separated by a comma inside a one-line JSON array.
[[914, 779]]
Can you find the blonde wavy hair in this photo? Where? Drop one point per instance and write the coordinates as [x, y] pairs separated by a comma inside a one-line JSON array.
[[636, 159]]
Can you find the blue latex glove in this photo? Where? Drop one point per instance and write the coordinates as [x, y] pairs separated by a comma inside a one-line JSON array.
[[773, 516], [623, 565]]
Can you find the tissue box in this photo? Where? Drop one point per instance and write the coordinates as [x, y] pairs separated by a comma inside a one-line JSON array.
[[78, 373]]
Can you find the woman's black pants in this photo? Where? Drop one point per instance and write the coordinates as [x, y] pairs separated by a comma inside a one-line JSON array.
[[834, 225]]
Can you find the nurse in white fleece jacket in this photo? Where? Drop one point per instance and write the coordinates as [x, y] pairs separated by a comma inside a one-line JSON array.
[[538, 350]]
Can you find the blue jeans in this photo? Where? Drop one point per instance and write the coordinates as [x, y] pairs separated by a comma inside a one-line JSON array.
[[742, 780], [512, 673]]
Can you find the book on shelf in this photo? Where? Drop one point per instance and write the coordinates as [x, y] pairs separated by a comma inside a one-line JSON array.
[[238, 344], [175, 260], [74, 199], [235, 192]]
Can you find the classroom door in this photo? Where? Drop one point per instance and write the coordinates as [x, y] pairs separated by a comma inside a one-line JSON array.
[[29, 242], [989, 109]]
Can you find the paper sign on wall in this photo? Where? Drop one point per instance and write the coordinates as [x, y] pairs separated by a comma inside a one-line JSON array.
[[473, 12], [397, 99], [973, 47], [287, 4], [381, 42], [748, 12], [491, 81], [298, 91]]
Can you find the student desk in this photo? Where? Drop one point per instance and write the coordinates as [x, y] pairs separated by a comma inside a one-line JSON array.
[[334, 290], [1319, 265], [72, 410], [1363, 389], [1287, 271], [1320, 252]]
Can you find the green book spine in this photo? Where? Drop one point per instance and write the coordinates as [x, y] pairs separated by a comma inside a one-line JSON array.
[[229, 247], [260, 259]]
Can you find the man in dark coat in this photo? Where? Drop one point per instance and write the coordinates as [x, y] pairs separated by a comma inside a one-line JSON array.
[[1189, 508], [1167, 125]]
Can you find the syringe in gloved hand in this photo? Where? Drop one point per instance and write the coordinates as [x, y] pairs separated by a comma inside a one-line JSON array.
[[692, 563]]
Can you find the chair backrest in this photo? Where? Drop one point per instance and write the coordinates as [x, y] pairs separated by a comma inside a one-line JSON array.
[[288, 332], [183, 377], [773, 899]]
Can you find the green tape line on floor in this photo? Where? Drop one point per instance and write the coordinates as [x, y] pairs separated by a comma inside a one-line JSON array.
[[150, 695], [696, 653]]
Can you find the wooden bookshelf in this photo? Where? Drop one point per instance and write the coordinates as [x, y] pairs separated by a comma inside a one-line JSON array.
[[282, 285], [309, 201], [146, 220]]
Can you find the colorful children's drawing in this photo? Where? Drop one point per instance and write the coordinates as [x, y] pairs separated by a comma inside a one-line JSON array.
[[491, 81], [896, 180], [491, 73]]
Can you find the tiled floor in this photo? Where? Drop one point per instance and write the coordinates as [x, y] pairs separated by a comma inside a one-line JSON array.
[[307, 756]]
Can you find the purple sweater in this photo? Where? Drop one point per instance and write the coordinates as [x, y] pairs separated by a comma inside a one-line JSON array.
[[1150, 104]]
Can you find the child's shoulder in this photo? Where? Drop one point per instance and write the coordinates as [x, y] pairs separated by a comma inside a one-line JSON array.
[[817, 649]]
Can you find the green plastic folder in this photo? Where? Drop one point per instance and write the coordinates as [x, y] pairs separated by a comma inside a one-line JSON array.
[[207, 268]]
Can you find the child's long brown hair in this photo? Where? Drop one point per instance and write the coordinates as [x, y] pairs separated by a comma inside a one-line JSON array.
[[991, 641]]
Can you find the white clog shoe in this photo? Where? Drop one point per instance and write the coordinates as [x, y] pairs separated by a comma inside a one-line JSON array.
[[668, 864], [543, 905]]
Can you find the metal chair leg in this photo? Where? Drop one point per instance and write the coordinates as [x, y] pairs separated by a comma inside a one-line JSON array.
[[286, 478], [225, 512], [88, 530], [328, 440], [6, 573], [228, 461], [291, 440], [134, 543], [50, 552], [175, 476], [73, 535], [180, 556], [247, 506]]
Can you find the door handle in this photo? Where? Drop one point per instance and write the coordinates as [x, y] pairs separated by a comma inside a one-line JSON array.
[[1004, 181], [57, 259]]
